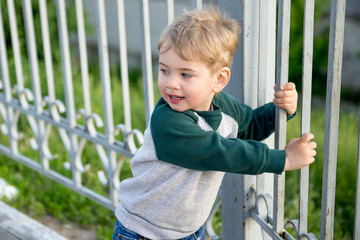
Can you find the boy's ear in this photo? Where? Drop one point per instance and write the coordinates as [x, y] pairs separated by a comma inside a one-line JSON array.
[[223, 78]]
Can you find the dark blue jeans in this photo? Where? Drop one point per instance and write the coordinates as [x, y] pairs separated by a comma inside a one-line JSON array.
[[122, 233]]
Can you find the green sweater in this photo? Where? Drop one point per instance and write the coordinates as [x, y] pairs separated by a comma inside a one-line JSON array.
[[179, 169]]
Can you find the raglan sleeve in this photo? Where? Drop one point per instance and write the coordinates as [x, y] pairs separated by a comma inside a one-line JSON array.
[[179, 140]]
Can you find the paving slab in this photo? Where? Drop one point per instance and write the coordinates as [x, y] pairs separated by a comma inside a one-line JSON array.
[[15, 225], [5, 235]]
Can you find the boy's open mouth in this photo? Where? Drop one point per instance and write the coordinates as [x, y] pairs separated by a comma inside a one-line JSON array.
[[175, 99]]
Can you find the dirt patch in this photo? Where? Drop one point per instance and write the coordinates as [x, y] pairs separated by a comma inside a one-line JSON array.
[[71, 231]]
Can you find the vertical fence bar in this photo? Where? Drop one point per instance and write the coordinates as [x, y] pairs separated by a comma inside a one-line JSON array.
[[4, 68], [83, 56], [47, 50], [308, 29], [49, 73], [19, 73], [336, 37], [32, 52], [105, 71], [267, 46], [266, 72], [15, 45], [124, 65], [146, 59], [35, 79], [106, 91], [250, 80], [125, 87], [50, 99], [68, 86], [66, 62], [6, 85], [84, 78], [251, 50], [170, 11], [357, 200], [282, 68]]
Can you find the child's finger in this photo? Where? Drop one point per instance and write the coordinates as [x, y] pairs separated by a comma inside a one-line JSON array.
[[293, 140], [306, 138], [313, 153], [288, 86], [283, 94], [312, 145]]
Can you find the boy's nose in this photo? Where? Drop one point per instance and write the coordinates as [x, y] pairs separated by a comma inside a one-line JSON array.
[[173, 82]]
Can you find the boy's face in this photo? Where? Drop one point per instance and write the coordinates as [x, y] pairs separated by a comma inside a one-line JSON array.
[[185, 84]]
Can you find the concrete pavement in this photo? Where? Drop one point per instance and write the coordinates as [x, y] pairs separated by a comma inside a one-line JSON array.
[[15, 225]]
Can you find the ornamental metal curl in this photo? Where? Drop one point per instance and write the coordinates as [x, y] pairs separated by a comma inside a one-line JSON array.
[[129, 141], [295, 225], [91, 122], [264, 207]]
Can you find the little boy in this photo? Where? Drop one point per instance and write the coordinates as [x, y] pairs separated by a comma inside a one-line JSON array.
[[197, 133]]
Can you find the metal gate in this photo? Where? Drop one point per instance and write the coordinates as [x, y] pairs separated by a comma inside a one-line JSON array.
[[252, 207], [256, 65]]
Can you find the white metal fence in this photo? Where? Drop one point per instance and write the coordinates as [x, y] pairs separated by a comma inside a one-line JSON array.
[[251, 205]]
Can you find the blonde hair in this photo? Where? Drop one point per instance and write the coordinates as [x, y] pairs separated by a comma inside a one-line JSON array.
[[205, 34]]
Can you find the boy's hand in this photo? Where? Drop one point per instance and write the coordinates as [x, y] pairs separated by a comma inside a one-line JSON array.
[[300, 152], [287, 98]]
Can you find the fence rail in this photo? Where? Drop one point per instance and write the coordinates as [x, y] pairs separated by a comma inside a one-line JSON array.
[[31, 112]]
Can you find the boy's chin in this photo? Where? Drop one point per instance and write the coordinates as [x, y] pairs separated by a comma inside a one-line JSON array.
[[177, 108]]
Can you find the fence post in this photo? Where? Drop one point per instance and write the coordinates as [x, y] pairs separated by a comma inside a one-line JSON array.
[[236, 197]]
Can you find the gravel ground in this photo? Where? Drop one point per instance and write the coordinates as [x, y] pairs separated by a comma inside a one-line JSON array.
[[70, 231]]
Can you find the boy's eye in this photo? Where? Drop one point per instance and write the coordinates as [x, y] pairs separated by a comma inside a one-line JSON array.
[[164, 71], [185, 75]]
